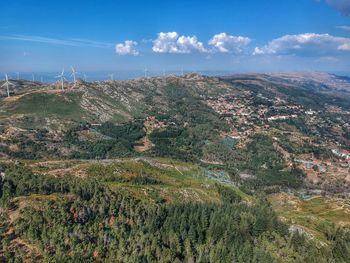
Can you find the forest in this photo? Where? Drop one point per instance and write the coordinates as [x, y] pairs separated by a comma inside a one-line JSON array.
[[82, 220]]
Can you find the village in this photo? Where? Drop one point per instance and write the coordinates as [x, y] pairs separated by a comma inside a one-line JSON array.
[[246, 117]]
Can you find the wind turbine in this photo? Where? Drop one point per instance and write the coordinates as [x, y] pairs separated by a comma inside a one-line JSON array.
[[33, 77], [17, 75], [74, 73], [146, 70], [61, 76], [7, 83], [111, 76], [85, 77]]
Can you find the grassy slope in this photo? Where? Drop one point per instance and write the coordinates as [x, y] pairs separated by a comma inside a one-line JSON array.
[[178, 182], [40, 109], [63, 107], [310, 214], [46, 105]]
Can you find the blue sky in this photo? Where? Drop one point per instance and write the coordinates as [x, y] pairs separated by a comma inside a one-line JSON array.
[[236, 36]]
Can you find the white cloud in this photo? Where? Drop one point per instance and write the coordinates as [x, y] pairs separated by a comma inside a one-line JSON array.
[[40, 39], [224, 43], [57, 41], [259, 51], [92, 43], [127, 48], [345, 46], [327, 59], [171, 42], [308, 44], [344, 27]]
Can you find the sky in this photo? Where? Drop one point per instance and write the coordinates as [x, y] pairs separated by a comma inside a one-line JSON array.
[[225, 35]]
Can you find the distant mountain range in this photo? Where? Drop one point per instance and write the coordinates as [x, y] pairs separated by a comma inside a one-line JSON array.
[[49, 77]]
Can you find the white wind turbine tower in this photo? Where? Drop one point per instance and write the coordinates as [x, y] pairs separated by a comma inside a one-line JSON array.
[[74, 73], [7, 83], [111, 76], [146, 70], [85, 77], [17, 75], [61, 76]]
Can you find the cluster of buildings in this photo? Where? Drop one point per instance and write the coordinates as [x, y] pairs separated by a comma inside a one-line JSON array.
[[151, 123], [282, 117], [312, 164], [343, 154], [246, 116]]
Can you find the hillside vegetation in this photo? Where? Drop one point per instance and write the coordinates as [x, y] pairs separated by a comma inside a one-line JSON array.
[[141, 210], [244, 168]]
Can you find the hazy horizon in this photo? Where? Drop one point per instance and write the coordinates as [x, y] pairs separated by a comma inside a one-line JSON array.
[[50, 77]]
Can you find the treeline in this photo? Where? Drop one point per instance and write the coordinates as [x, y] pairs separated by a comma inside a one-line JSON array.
[[88, 222], [119, 140], [116, 141], [259, 159]]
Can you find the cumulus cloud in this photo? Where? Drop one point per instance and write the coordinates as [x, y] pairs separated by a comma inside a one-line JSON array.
[[225, 43], [308, 44], [171, 42], [127, 48], [343, 6]]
